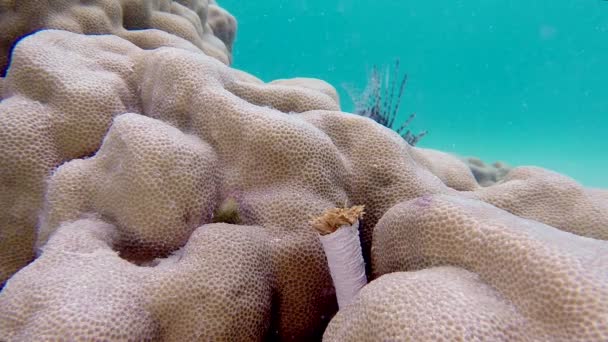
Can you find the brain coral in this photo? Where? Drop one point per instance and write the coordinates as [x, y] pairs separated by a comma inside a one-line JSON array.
[[117, 152]]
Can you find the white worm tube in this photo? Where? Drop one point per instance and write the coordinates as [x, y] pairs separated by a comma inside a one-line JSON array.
[[338, 230], [345, 260]]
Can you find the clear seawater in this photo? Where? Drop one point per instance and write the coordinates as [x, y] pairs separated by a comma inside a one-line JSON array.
[[524, 82]]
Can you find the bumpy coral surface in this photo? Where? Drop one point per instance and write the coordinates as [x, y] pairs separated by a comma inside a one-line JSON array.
[[523, 280], [217, 287], [447, 167], [116, 153], [551, 198], [189, 24], [227, 142], [434, 304], [126, 188]]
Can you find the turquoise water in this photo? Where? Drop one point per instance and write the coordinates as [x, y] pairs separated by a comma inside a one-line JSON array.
[[524, 82]]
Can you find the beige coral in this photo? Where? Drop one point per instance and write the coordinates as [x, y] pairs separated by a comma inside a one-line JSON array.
[[217, 287], [523, 281], [452, 172], [222, 24], [180, 23], [433, 304], [551, 198], [69, 114], [599, 194], [150, 142], [157, 182], [310, 83]]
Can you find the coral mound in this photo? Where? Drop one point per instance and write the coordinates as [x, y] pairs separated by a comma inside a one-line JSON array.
[[117, 154], [221, 277], [551, 198], [447, 167], [196, 25], [434, 304], [210, 133], [157, 182], [509, 279]]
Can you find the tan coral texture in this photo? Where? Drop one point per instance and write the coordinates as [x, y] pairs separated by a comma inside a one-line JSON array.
[[157, 213], [434, 304], [217, 287], [114, 159], [447, 167], [190, 24], [514, 279]]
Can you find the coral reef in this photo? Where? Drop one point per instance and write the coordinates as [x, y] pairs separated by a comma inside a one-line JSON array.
[[225, 138], [154, 218], [117, 155], [189, 24], [218, 286], [509, 279]]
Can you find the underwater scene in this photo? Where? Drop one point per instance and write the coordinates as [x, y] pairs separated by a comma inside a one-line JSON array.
[[523, 82], [303, 170]]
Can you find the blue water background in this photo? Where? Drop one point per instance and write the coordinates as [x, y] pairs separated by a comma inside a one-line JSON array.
[[525, 82]]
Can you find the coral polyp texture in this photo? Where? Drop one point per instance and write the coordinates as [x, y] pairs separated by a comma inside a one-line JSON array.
[[188, 24], [217, 287], [510, 278], [155, 215], [119, 154]]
